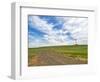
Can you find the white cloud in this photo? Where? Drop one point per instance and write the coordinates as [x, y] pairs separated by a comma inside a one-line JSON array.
[[76, 26], [41, 24]]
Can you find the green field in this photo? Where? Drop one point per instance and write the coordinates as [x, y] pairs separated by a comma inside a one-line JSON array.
[[74, 51]]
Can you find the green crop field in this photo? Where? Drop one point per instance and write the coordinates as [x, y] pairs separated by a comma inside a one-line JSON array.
[[77, 53]]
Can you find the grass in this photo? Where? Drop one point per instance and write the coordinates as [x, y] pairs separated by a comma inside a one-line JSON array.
[[80, 51]]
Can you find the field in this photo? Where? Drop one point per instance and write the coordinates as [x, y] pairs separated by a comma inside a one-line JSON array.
[[58, 55]]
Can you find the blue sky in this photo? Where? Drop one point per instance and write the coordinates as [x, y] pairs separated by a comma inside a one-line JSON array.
[[56, 30]]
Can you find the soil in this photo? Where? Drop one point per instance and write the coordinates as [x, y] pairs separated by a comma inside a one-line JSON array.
[[45, 58]]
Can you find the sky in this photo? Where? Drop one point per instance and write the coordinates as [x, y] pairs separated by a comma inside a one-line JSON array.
[[56, 30]]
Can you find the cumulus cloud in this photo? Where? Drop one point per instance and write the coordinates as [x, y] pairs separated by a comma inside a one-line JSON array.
[[71, 28], [40, 24]]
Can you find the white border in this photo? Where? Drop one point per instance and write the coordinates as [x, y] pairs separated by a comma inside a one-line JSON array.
[[19, 64]]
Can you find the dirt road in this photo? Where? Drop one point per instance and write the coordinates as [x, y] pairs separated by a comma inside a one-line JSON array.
[[44, 58]]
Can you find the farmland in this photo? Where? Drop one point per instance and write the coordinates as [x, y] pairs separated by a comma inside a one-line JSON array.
[[58, 55]]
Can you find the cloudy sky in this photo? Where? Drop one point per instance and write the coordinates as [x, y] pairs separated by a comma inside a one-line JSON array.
[[56, 30]]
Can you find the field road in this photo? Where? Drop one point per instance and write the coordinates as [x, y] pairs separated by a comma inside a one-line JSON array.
[[45, 57]]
